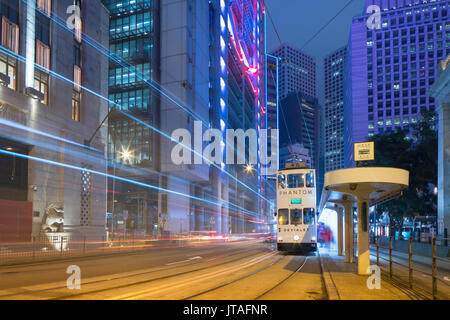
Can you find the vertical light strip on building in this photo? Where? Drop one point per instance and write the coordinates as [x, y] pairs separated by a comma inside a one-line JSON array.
[[30, 45]]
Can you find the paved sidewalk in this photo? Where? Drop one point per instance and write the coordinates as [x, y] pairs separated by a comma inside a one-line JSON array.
[[343, 282]]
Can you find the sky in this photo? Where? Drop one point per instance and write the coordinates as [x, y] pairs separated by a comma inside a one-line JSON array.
[[298, 20]]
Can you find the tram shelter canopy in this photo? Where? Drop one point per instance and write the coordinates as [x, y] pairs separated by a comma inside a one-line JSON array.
[[366, 186]]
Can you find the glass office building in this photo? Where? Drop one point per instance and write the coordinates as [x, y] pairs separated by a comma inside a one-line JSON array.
[[389, 70]]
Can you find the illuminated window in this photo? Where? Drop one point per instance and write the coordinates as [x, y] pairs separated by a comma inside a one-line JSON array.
[[78, 29], [76, 105], [8, 66], [10, 35], [283, 217], [45, 6], [41, 84], [77, 78], [42, 54]]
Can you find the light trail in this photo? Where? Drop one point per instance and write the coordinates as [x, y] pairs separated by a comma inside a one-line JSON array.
[[21, 58], [75, 154], [105, 51], [106, 175]]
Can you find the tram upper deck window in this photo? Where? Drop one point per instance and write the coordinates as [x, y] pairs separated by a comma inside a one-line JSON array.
[[283, 217], [282, 181], [310, 183], [296, 216], [309, 216], [295, 181]]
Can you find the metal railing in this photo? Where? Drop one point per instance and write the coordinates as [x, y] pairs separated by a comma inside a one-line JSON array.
[[433, 257]]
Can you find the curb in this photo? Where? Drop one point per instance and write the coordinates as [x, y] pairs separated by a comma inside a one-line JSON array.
[[332, 291]]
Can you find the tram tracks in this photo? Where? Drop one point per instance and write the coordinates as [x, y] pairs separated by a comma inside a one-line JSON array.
[[28, 292], [267, 291]]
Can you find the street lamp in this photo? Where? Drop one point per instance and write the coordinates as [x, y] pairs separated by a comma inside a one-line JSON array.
[[126, 155], [249, 169]]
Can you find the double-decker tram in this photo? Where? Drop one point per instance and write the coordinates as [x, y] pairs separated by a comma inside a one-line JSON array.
[[296, 208]]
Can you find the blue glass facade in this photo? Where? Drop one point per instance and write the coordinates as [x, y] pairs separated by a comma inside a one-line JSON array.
[[390, 70], [334, 110], [132, 39]]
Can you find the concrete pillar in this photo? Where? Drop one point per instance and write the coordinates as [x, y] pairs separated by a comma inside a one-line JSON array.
[[340, 230], [348, 217], [363, 235], [441, 92], [444, 169]]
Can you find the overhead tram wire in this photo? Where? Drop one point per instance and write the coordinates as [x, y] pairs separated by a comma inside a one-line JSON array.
[[282, 111], [165, 95], [327, 24]]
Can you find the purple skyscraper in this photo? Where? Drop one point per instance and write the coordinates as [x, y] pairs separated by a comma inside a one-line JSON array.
[[389, 70]]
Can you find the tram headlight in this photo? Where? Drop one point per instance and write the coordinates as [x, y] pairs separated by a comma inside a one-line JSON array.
[[296, 238], [313, 239]]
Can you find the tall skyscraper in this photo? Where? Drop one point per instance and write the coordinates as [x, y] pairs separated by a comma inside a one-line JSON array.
[[272, 91], [299, 124], [297, 71], [389, 70], [48, 188], [244, 106], [334, 110], [273, 104], [201, 65]]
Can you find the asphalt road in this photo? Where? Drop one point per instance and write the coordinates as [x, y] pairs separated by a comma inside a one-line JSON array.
[[229, 271]]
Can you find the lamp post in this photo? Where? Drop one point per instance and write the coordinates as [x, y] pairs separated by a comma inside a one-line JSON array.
[[125, 155]]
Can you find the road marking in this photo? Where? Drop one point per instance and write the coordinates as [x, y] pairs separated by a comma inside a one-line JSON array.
[[188, 260]]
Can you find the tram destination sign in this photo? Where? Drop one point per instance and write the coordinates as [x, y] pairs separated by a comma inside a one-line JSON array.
[[365, 151], [296, 201]]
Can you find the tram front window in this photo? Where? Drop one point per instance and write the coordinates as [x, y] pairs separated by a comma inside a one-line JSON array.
[[296, 216], [283, 217], [295, 181], [309, 216], [310, 180], [282, 181]]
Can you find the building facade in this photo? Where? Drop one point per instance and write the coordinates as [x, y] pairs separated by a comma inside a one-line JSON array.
[[334, 110], [52, 186], [297, 71], [134, 44], [441, 92], [206, 70], [300, 124], [388, 71], [294, 153]]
